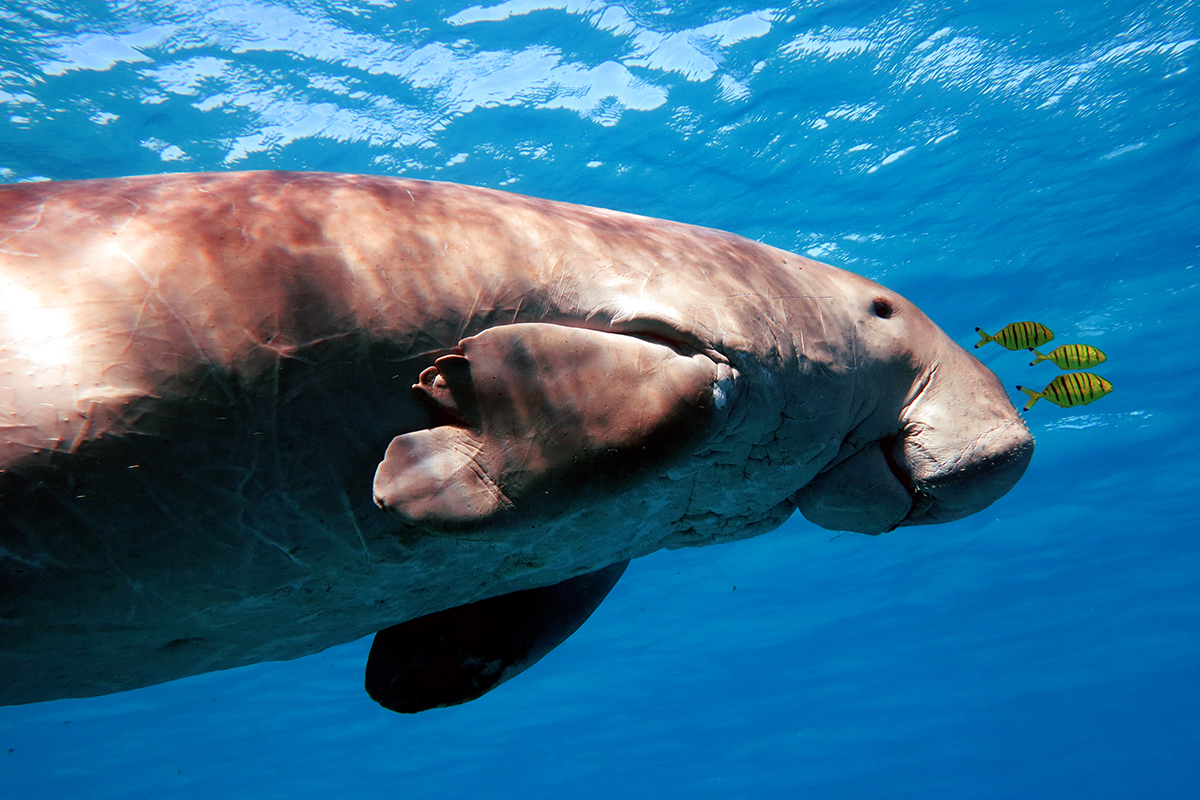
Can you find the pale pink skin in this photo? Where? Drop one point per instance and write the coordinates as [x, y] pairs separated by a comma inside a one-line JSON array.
[[200, 374]]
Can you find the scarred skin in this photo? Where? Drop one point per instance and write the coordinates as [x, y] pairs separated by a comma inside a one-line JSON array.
[[248, 416]]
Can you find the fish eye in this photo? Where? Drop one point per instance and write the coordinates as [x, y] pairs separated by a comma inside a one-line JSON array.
[[882, 308]]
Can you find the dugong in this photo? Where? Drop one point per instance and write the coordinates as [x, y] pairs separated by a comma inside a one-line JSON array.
[[249, 416]]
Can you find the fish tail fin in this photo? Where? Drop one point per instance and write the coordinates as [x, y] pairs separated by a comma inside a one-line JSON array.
[[1040, 358], [1033, 397], [985, 338]]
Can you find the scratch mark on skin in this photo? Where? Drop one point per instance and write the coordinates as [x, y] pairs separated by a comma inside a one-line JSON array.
[[28, 446], [349, 509], [86, 428], [852, 404], [262, 537], [153, 289], [140, 589], [137, 208], [153, 293], [258, 534], [41, 209], [9, 555], [649, 276], [280, 351], [559, 296], [821, 316], [468, 319]]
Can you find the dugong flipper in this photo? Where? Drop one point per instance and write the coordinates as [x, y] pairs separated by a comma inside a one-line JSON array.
[[536, 409], [456, 655]]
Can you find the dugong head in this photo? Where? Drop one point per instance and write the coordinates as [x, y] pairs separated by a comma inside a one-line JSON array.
[[941, 440]]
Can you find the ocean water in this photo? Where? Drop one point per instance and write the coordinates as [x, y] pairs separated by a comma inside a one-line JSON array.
[[993, 161]]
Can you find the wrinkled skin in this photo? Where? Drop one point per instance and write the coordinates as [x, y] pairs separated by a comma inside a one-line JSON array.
[[248, 416]]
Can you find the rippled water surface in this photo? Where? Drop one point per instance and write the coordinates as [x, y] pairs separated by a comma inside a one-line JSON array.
[[993, 161]]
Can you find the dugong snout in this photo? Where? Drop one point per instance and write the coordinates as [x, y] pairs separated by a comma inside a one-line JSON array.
[[896, 482], [984, 470], [955, 446]]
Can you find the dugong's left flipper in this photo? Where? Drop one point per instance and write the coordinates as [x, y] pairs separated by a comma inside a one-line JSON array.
[[456, 655], [540, 413]]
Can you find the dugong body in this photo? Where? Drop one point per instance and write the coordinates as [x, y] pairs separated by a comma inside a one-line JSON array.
[[248, 416]]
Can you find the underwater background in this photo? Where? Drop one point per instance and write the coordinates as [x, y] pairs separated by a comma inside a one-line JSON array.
[[992, 161]]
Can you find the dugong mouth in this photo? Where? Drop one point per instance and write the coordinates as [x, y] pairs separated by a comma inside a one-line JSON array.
[[899, 481], [865, 493]]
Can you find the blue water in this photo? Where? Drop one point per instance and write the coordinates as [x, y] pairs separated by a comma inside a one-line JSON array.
[[993, 161]]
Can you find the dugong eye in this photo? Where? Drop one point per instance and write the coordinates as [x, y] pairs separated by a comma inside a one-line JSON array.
[[882, 308]]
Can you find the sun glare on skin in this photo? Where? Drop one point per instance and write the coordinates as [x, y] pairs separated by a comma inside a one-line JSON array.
[[631, 307], [30, 329]]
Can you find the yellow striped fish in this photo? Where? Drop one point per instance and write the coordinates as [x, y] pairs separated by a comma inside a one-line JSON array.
[[1018, 336], [1071, 356], [1072, 389]]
